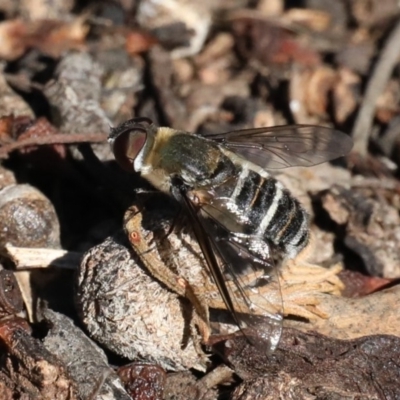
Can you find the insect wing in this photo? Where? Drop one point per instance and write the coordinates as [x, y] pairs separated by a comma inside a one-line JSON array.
[[249, 289], [286, 146]]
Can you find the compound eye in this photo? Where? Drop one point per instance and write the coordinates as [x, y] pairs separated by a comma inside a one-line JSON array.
[[126, 146]]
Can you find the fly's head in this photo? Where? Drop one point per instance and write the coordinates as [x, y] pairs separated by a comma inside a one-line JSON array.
[[128, 141]]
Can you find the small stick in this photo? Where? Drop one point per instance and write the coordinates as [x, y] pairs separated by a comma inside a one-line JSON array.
[[380, 76], [31, 258], [58, 138], [219, 375]]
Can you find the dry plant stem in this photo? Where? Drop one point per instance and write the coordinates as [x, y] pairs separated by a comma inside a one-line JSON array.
[[24, 282], [375, 314], [58, 138], [379, 78], [217, 376], [28, 258]]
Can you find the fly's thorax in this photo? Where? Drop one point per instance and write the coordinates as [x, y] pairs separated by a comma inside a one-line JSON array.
[[196, 161]]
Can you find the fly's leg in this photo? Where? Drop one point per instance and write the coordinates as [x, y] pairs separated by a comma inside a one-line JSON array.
[[201, 316], [260, 289], [198, 326], [256, 247], [161, 266], [180, 286]]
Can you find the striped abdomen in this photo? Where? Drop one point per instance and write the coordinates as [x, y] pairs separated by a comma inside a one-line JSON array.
[[266, 209]]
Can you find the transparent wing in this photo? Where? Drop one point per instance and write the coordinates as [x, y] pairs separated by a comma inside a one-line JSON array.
[[249, 286], [286, 146]]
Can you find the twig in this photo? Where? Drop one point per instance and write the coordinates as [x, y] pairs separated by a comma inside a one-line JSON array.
[[379, 78], [58, 138], [220, 374], [29, 258]]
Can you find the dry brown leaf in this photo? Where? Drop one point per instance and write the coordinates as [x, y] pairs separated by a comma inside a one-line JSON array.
[[357, 284], [215, 61], [6, 129], [309, 93], [139, 42], [372, 12], [54, 37], [358, 317], [51, 37], [387, 105], [271, 8], [344, 94], [269, 43], [13, 39], [42, 9], [314, 19]]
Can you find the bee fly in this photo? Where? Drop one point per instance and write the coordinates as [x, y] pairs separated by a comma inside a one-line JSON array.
[[238, 211]]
